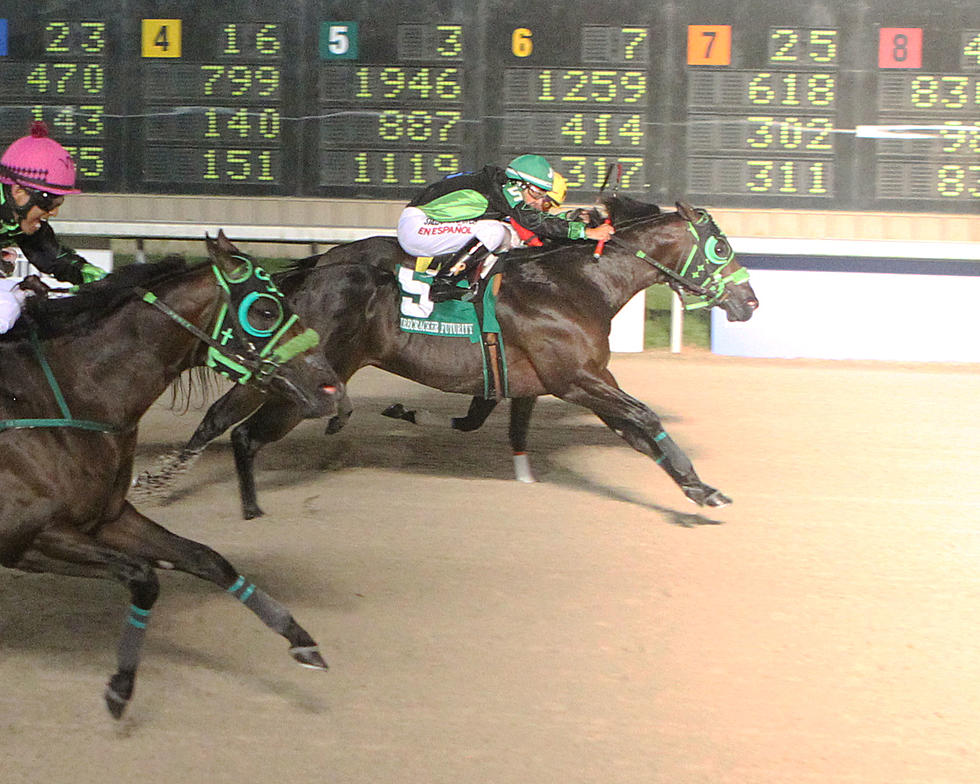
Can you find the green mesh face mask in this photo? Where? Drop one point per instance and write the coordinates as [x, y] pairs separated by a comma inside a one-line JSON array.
[[705, 266], [252, 322]]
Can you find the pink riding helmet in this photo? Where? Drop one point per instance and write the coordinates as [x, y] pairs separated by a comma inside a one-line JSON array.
[[38, 162]]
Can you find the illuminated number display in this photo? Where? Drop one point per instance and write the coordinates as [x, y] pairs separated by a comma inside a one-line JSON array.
[[214, 116], [57, 72], [741, 103], [780, 177], [932, 153], [762, 118], [570, 86], [391, 84], [781, 91], [396, 116], [582, 100], [803, 48]]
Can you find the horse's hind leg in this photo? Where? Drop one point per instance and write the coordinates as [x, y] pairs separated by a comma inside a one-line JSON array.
[[275, 418], [137, 535], [70, 552], [520, 422], [480, 408], [641, 428]]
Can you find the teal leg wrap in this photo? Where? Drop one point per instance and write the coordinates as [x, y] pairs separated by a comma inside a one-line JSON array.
[[272, 613]]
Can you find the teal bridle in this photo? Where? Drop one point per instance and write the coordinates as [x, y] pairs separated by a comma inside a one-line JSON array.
[[701, 280], [246, 343]]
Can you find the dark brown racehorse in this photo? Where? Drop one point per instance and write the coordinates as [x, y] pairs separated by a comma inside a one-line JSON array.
[[554, 308], [77, 375]]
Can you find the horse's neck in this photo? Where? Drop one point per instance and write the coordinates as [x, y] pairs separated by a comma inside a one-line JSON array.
[[620, 273], [131, 358]]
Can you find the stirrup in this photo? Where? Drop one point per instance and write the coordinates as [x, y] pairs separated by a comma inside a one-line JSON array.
[[443, 289]]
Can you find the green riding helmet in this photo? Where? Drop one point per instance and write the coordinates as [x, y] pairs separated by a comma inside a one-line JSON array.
[[533, 169]]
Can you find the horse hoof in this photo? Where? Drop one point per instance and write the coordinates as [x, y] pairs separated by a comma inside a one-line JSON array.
[[717, 499], [398, 411], [703, 495], [118, 692], [308, 656], [251, 512]]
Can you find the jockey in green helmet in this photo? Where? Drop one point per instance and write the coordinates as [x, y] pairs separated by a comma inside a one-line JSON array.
[[464, 214]]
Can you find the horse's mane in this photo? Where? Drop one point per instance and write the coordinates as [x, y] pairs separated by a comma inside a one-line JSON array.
[[93, 302], [624, 209]]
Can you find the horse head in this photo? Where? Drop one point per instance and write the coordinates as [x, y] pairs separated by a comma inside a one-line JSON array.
[[257, 337], [713, 274], [692, 254]]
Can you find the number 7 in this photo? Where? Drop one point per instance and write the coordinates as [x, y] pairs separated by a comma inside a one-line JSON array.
[[716, 51]]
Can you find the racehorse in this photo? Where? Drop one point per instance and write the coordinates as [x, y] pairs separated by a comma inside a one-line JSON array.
[[554, 308], [79, 372]]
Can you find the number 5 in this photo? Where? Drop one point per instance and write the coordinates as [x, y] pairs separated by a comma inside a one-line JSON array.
[[338, 40]]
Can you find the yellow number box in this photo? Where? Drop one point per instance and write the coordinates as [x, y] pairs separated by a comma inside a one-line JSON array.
[[161, 37]]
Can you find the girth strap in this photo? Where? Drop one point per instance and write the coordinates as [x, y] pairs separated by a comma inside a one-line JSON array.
[[67, 419]]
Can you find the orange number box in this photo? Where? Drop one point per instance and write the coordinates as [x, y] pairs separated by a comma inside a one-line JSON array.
[[709, 44], [900, 47]]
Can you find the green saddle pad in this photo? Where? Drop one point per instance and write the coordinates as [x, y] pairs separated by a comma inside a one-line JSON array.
[[452, 319]]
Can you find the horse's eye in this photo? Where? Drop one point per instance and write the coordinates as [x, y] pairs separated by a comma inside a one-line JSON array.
[[264, 315]]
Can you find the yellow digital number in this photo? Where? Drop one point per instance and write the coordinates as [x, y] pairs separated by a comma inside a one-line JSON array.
[[953, 181], [636, 36], [520, 42], [57, 34], [89, 160], [823, 46], [761, 176], [632, 130], [451, 44], [574, 128], [786, 41], [971, 48]]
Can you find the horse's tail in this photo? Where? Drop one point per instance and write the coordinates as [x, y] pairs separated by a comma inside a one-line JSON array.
[[157, 482]]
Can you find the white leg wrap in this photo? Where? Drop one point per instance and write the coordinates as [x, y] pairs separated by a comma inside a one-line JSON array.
[[522, 468]]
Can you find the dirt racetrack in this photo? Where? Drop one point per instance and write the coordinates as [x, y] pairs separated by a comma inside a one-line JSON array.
[[593, 628]]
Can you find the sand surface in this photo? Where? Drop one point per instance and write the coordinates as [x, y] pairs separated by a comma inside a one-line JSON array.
[[593, 628]]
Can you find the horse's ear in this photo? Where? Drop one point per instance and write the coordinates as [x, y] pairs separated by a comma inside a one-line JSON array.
[[686, 211], [224, 254]]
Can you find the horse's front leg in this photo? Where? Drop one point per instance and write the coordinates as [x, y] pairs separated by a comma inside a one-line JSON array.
[[642, 429], [138, 536], [70, 552], [273, 420]]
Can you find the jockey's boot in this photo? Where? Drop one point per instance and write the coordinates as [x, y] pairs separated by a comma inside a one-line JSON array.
[[464, 264]]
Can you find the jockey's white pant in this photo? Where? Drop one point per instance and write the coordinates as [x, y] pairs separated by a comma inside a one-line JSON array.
[[422, 236], [11, 302]]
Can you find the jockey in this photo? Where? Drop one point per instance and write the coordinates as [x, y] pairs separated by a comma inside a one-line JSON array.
[[37, 173], [464, 215]]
